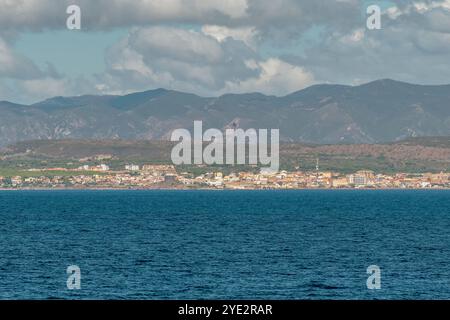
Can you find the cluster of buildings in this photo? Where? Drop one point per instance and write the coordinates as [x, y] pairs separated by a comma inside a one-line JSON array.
[[316, 179], [166, 176]]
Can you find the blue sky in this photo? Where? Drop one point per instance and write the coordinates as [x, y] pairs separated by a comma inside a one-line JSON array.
[[72, 52]]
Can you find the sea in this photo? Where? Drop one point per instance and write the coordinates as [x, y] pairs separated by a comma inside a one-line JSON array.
[[179, 244]]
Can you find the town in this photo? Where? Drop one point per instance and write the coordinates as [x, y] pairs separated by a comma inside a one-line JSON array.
[[133, 176]]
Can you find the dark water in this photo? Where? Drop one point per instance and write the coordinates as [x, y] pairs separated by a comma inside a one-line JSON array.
[[225, 244]]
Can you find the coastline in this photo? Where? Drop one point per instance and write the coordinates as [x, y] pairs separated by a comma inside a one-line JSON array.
[[215, 189]]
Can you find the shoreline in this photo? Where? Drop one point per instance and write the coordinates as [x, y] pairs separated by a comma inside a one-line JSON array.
[[214, 189]]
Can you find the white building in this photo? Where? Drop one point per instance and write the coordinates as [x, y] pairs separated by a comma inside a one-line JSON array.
[[104, 167], [132, 167]]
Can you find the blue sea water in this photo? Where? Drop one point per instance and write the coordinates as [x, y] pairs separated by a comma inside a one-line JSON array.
[[308, 244]]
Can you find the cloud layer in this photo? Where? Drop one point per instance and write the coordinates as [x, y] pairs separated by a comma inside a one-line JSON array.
[[196, 62], [214, 47]]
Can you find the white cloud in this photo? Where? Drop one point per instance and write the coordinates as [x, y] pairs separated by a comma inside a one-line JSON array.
[[13, 65], [196, 62], [221, 33], [176, 44], [44, 87], [355, 36], [276, 77]]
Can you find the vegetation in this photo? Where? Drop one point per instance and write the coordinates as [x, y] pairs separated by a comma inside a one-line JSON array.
[[421, 155]]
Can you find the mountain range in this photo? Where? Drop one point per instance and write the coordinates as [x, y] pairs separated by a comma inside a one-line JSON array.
[[376, 112]]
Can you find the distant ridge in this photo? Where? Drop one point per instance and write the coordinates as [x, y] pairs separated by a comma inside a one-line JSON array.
[[379, 111]]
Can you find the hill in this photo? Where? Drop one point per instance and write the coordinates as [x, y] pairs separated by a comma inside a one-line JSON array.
[[411, 155]]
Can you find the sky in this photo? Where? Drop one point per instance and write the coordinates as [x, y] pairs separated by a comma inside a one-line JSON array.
[[215, 47]]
